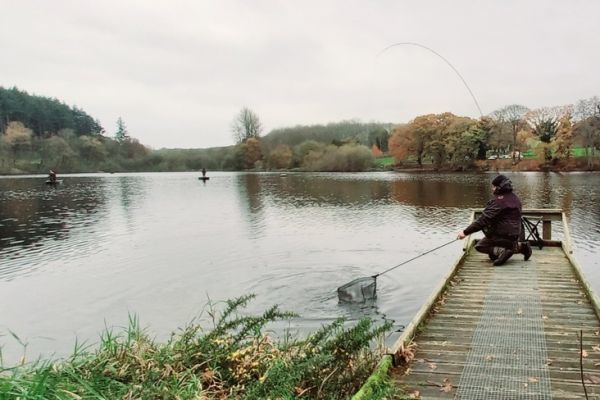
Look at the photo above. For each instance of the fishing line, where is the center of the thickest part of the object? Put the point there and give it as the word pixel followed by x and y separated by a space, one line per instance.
pixel 443 58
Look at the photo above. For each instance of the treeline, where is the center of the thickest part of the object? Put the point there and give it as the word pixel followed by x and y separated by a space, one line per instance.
pixel 343 146
pixel 550 134
pixel 44 116
pixel 40 133
pixel 367 134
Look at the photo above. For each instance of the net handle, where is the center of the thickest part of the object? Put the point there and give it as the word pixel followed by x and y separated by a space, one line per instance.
pixel 414 258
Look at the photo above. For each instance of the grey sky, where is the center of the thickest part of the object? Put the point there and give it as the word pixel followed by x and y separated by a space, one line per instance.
pixel 177 72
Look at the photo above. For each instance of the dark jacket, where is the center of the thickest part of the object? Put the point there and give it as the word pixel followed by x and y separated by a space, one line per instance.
pixel 501 216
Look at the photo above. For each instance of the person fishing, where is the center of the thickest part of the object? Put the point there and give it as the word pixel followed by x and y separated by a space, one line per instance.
pixel 52 176
pixel 500 222
pixel 203 172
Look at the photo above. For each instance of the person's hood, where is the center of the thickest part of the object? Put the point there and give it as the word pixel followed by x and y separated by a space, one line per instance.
pixel 503 184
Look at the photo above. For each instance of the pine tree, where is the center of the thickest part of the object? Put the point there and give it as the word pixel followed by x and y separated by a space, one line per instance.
pixel 121 134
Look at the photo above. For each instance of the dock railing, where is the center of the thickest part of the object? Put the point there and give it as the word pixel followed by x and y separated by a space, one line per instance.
pixel 542 216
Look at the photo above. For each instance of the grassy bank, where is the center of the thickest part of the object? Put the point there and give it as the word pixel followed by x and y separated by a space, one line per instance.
pixel 235 358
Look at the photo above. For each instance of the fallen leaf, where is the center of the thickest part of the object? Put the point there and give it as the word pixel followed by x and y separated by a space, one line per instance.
pixel 407 372
pixel 584 354
pixel 415 395
pixel 432 366
pixel 532 380
pixel 520 311
pixel 596 348
pixel 544 317
pixel 446 386
pixel 489 358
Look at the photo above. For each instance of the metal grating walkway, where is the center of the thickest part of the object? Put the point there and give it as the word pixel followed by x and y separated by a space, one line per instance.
pixel 508 354
pixel 508 332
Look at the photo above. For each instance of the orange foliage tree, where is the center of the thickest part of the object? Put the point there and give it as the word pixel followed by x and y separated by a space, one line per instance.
pixel 376 151
pixel 252 152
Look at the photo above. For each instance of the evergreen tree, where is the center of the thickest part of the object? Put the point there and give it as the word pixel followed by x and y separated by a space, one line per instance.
pixel 121 135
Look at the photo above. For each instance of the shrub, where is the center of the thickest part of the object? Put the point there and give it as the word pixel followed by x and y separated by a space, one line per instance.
pixel 233 359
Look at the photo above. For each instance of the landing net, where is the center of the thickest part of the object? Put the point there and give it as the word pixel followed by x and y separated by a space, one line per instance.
pixel 359 290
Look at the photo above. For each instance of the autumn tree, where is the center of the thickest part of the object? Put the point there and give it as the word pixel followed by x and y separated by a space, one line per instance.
pixel 564 137
pixel 376 151
pixel 56 152
pixel 17 138
pixel 252 152
pixel 401 143
pixel 92 149
pixel 349 157
pixel 544 124
pixel 305 148
pixel 438 136
pixel 281 157
pixel 512 118
pixel 246 125
pixel 415 137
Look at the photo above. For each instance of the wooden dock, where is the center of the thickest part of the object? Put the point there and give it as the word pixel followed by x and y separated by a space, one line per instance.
pixel 508 332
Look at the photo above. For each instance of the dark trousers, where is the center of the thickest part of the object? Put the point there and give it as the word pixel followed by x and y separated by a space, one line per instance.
pixel 486 244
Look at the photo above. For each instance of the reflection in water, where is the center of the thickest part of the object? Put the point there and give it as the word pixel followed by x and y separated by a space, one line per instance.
pixel 131 190
pixel 101 246
pixel 251 201
pixel 35 218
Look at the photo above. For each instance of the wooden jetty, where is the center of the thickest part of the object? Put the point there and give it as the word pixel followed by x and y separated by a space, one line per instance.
pixel 507 332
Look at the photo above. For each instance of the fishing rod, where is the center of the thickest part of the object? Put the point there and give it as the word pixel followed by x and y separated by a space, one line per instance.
pixel 414 258
pixel 443 58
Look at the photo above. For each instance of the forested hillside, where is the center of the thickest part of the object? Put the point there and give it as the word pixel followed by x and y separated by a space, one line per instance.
pixel 334 133
pixel 40 133
pixel 44 116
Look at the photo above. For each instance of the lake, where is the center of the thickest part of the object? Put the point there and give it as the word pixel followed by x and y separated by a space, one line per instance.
pixel 82 256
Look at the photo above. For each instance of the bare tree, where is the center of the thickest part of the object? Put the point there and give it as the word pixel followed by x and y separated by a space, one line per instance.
pixel 246 125
pixel 511 117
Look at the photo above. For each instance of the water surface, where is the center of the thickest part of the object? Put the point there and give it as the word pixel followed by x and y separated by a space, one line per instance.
pixel 83 255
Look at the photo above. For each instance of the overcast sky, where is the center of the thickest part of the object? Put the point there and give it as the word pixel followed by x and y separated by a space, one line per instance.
pixel 178 71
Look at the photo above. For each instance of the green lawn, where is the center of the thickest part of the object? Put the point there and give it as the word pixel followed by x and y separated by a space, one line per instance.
pixel 575 152
pixel 384 161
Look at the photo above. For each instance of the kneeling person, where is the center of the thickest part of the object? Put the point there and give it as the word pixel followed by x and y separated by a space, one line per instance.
pixel 500 221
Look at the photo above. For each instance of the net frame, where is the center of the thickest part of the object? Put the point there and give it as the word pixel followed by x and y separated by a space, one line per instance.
pixel 359 290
